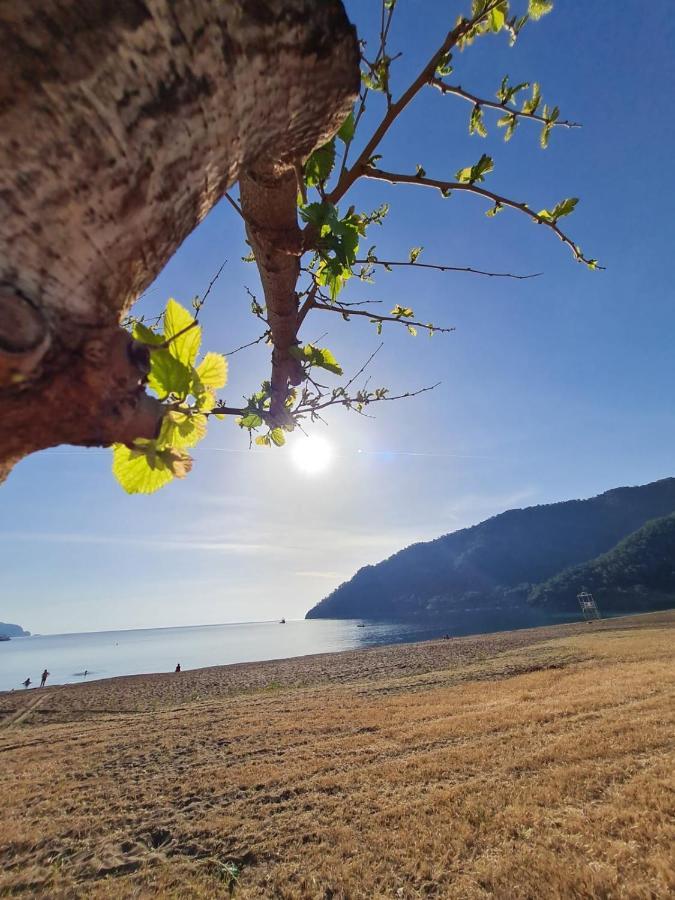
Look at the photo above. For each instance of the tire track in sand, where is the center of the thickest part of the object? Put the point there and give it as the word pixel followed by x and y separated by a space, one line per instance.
pixel 22 714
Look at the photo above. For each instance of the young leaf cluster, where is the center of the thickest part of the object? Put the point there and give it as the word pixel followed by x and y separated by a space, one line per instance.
pixel 186 387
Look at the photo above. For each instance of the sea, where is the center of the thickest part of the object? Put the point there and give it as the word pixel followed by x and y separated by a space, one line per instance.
pixel 72 658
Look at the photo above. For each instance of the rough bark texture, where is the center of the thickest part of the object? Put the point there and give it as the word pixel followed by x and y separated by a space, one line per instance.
pixel 122 122
pixel 268 200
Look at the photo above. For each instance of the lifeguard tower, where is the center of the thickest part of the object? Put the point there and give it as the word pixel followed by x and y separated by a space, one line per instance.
pixel 589 607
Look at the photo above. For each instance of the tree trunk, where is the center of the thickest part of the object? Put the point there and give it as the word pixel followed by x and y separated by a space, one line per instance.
pixel 122 122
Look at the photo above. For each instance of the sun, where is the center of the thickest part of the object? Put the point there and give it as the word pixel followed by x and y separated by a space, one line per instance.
pixel 311 454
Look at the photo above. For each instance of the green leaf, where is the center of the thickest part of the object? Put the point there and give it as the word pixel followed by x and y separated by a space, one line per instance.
pixel 377 78
pixel 251 420
pixel 476 122
pixel 510 121
pixel 564 208
pixel 212 371
pixel 473 174
pixel 444 68
pixel 507 92
pixel 404 312
pixel 181 430
pixel 263 440
pixel 545 134
pixel 538 8
pixel 318 214
pixel 414 253
pixel 346 132
pixel 145 335
pixel 531 106
pixel 176 320
pixel 144 470
pixel 420 172
pixel 412 331
pixel 278 437
pixel 497 19
pixel 492 212
pixel 169 375
pixel 316 356
pixel 206 399
pixel 333 275
pixel 320 164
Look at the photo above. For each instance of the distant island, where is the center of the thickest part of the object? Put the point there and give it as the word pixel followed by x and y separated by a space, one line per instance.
pixel 13 630
pixel 526 566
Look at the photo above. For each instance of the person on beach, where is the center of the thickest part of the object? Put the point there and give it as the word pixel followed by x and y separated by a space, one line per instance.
pixel 45 676
pixel 26 683
pixel 177 669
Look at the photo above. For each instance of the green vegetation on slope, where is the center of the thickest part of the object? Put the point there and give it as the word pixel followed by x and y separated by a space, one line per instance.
pixel 501 562
pixel 636 573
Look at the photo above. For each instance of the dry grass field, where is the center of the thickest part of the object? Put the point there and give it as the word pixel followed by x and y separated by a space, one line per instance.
pixel 535 764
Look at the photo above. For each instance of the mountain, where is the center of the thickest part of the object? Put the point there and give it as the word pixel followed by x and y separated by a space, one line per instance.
pixel 509 562
pixel 637 572
pixel 13 630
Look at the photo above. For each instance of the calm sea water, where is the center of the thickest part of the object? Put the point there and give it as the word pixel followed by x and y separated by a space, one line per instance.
pixel 104 654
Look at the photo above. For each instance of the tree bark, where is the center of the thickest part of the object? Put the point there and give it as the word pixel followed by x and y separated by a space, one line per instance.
pixel 122 122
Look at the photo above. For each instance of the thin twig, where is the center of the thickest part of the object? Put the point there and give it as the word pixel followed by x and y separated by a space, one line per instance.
pixel 375 317
pixel 384 33
pixel 469 269
pixel 233 203
pixel 342 401
pixel 211 283
pixel 364 366
pixel 458 91
pixel 360 302
pixel 250 344
pixel 395 178
pixel 194 322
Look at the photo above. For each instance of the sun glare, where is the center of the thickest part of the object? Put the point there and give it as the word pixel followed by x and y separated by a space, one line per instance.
pixel 311 455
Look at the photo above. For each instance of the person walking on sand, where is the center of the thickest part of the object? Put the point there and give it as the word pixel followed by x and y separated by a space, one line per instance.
pixel 177 669
pixel 26 683
pixel 45 676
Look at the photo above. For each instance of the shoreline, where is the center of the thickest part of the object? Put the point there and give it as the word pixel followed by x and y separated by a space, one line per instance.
pixel 139 692
pixel 407 634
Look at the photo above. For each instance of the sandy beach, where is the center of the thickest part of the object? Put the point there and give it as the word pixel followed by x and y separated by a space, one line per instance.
pixel 528 764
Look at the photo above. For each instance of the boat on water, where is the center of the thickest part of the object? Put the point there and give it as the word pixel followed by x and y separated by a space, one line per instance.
pixel 282 622
pixel 5 637
pixel 361 625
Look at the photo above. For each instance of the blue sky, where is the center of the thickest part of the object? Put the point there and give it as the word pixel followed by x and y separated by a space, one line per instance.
pixel 553 388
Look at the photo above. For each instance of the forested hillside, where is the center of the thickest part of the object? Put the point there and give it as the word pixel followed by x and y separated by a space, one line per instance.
pixel 637 573
pixel 506 562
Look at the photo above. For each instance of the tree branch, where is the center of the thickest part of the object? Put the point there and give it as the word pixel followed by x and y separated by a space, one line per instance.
pixel 341 400
pixel 221 411
pixel 469 269
pixel 446 186
pixel 458 91
pixel 349 176
pixel 375 317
